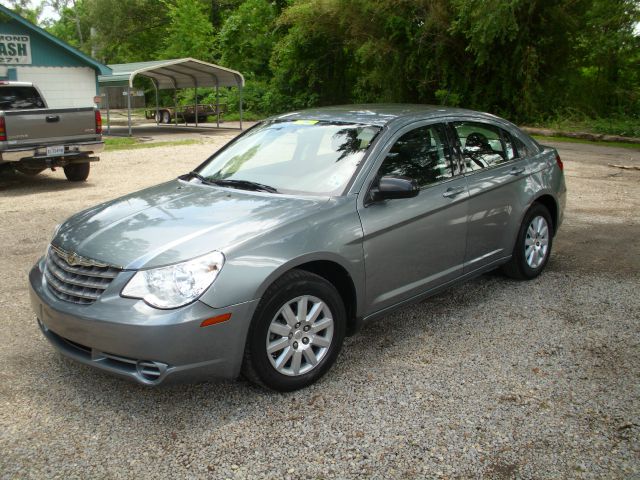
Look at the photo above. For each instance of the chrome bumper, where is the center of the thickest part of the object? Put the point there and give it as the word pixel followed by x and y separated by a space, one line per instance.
pixel 40 153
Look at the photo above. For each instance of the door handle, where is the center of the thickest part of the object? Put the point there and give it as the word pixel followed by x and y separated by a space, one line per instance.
pixel 53 118
pixel 452 192
pixel 516 171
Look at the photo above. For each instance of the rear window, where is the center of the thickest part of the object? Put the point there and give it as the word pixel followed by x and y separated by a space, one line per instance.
pixel 19 98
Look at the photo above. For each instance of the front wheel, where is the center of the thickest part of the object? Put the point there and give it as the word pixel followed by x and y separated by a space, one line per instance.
pixel 533 245
pixel 166 117
pixel 296 333
pixel 77 172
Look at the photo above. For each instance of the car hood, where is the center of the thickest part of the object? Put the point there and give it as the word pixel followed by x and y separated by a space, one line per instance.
pixel 176 221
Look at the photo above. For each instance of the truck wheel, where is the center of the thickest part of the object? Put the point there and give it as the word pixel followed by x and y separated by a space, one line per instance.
pixel 166 117
pixel 77 172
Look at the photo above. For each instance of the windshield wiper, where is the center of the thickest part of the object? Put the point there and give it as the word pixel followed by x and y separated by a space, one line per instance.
pixel 194 174
pixel 244 184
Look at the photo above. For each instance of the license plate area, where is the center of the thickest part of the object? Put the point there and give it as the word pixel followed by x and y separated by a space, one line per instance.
pixel 55 150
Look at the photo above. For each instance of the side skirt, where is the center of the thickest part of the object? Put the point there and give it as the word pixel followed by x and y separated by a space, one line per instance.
pixel 429 293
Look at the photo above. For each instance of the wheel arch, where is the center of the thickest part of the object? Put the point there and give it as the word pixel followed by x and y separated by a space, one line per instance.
pixel 550 203
pixel 333 271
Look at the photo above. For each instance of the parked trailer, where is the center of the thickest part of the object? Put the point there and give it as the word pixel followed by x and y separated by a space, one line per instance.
pixel 185 113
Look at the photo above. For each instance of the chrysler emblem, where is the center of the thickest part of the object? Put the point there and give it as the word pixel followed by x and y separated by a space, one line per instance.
pixel 75 260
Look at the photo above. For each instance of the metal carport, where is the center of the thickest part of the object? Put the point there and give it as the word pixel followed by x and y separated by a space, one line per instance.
pixel 172 74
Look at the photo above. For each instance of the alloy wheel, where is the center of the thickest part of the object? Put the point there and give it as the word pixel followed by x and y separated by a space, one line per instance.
pixel 536 242
pixel 300 335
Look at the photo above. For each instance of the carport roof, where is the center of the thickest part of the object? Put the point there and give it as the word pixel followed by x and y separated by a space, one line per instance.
pixel 177 73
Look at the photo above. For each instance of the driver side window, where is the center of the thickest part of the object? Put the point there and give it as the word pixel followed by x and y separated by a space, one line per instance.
pixel 421 154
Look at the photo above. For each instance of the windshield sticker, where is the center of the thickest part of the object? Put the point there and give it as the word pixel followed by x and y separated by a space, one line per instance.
pixel 305 122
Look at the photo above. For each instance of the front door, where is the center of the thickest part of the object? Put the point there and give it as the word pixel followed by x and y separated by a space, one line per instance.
pixel 412 245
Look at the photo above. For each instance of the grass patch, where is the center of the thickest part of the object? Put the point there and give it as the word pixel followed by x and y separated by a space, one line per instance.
pixel 235 117
pixel 542 140
pixel 571 121
pixel 129 143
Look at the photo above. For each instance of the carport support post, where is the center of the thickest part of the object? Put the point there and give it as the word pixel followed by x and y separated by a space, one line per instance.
pixel 129 107
pixel 175 106
pixel 217 107
pixel 106 97
pixel 241 107
pixel 196 106
pixel 157 103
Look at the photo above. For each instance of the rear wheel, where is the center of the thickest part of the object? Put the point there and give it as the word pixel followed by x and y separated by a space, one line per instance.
pixel 533 245
pixel 77 172
pixel 166 117
pixel 296 333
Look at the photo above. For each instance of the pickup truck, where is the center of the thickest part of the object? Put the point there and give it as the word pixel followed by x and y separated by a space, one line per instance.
pixel 34 137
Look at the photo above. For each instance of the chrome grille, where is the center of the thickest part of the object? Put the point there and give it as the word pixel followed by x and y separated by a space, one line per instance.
pixel 76 279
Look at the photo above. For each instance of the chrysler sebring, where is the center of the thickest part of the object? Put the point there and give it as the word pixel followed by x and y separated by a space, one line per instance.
pixel 260 260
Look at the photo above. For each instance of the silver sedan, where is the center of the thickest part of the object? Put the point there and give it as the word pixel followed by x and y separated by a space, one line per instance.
pixel 262 259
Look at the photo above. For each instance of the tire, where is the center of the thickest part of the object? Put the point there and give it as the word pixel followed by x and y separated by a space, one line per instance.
pixel 290 365
pixel 166 116
pixel 533 245
pixel 77 172
pixel 157 117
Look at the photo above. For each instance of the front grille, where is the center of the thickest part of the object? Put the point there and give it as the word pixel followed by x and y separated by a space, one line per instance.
pixel 76 279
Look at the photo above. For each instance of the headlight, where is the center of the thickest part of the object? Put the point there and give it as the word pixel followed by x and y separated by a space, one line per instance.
pixel 175 285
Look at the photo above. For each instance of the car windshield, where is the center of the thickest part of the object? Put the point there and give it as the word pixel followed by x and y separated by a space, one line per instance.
pixel 293 156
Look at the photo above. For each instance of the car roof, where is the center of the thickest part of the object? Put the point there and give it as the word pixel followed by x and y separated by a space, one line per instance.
pixel 380 114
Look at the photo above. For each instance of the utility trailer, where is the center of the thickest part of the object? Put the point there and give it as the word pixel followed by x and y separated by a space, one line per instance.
pixel 185 113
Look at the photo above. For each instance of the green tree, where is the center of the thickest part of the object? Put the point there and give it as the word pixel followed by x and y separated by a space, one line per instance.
pixel 26 10
pixel 189 32
pixel 246 38
pixel 73 24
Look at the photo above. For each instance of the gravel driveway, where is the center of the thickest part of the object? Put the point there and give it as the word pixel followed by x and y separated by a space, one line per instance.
pixel 492 379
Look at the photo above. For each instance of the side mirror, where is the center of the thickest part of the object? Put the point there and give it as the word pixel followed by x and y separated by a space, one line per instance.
pixel 392 187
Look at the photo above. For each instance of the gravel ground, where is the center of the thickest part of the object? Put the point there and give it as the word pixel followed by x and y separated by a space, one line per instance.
pixel 492 379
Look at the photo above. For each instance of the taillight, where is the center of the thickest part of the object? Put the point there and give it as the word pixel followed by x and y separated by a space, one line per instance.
pixel 559 162
pixel 98 122
pixel 3 131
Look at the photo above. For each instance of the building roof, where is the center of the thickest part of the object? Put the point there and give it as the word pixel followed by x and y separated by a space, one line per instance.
pixel 99 67
pixel 176 73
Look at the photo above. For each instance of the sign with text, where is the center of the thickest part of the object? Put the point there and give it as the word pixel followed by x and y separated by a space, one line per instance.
pixel 15 49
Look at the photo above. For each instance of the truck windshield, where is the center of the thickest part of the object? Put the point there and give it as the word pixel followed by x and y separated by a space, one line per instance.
pixel 19 98
pixel 296 156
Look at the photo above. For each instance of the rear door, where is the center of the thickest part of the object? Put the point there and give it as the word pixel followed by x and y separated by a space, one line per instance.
pixel 496 174
pixel 412 245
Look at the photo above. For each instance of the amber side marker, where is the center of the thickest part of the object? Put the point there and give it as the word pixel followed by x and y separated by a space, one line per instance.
pixel 213 320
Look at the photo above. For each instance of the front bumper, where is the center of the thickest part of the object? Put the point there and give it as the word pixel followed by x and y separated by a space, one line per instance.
pixel 128 338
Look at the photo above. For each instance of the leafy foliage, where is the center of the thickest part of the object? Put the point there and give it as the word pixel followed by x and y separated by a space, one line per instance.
pixel 529 60
pixel 189 33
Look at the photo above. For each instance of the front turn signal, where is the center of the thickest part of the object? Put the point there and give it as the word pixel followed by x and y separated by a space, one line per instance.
pixel 215 320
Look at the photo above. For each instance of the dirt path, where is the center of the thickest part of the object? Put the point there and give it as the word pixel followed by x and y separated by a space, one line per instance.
pixel 493 379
